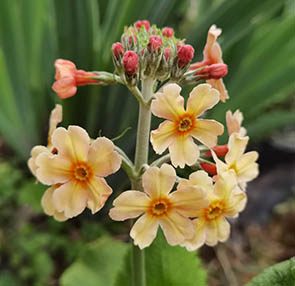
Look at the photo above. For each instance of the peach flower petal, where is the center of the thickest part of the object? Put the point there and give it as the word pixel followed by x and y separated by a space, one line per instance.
pixel 236 147
pixel 199 236
pixel 35 152
pixel 219 85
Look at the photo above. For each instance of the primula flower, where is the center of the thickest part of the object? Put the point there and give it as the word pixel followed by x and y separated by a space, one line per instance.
pixel 159 206
pixel 68 78
pixel 213 55
pixel 76 172
pixel 242 164
pixel 54 120
pixel 226 201
pixel 181 125
pixel 234 121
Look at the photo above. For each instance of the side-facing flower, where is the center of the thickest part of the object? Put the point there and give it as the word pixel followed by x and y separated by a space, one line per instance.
pixel 76 172
pixel 226 201
pixel 234 122
pixel 242 164
pixel 54 120
pixel 213 55
pixel 68 78
pixel 160 207
pixel 181 126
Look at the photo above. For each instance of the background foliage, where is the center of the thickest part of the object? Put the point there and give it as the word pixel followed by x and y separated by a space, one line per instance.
pixel 257 44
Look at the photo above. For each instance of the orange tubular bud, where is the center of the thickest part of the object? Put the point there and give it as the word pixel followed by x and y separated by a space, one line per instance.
pixel 209 168
pixel 220 151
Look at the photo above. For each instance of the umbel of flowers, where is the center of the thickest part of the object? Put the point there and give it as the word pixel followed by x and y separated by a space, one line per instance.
pixel 191 211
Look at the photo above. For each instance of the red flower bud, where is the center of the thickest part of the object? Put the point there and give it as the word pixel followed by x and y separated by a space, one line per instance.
pixel 185 54
pixel 144 23
pixel 179 44
pixel 168 32
pixel 118 50
pixel 130 62
pixel 209 168
pixel 155 43
pixel 220 151
pixel 167 53
pixel 217 71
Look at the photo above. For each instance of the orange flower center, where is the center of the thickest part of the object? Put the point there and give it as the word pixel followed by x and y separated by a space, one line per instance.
pixel 81 172
pixel 159 207
pixel 185 124
pixel 214 211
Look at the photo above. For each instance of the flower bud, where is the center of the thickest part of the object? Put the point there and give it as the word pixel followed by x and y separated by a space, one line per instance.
pixel 130 62
pixel 168 32
pixel 144 23
pixel 185 54
pixel 209 168
pixel 118 50
pixel 155 43
pixel 215 71
pixel 220 151
pixel 167 53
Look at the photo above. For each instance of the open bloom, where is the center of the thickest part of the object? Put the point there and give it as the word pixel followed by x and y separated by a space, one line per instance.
pixel 226 201
pixel 213 55
pixel 181 125
pixel 76 172
pixel 234 122
pixel 55 119
pixel 242 164
pixel 68 78
pixel 159 207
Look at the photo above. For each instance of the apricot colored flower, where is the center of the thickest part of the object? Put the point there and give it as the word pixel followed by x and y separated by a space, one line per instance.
pixel 226 201
pixel 234 122
pixel 181 126
pixel 159 207
pixel 68 78
pixel 213 55
pixel 55 119
pixel 76 172
pixel 242 164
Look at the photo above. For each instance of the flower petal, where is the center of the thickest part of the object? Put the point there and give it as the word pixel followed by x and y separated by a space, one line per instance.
pixel 221 166
pixel 144 231
pixel 65 87
pixel 129 204
pixel 225 184
pixel 212 50
pixel 198 178
pixel 162 137
pixel 176 228
pixel 234 121
pixel 199 236
pixel 202 98
pixel 52 169
pixel 158 182
pixel 236 203
pixel 72 143
pixel 70 198
pixel 246 167
pixel 169 104
pixel 211 233
pixel 206 131
pixel 183 151
pixel 54 120
pixel 219 85
pixel 189 199
pixel 102 157
pixel 35 153
pixel 236 147
pixel 223 229
pixel 98 193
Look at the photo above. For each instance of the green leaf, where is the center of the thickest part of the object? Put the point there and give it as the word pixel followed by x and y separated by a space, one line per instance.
pixel 281 274
pixel 167 265
pixel 97 264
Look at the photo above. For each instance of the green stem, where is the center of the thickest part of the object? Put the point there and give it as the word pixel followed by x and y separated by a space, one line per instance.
pixel 141 158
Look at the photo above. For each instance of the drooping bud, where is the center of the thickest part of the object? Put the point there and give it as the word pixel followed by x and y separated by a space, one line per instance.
pixel 130 62
pixel 185 54
pixel 168 32
pixel 155 43
pixel 220 151
pixel 145 23
pixel 118 50
pixel 209 168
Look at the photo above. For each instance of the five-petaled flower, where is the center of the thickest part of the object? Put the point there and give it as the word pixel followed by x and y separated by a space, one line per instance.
pixel 181 125
pixel 226 201
pixel 242 164
pixel 76 172
pixel 213 55
pixel 160 206
pixel 68 78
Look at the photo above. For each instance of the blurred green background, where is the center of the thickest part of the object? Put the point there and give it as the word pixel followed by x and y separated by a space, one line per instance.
pixel 258 46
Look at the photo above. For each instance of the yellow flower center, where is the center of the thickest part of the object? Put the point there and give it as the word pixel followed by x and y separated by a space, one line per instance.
pixel 81 172
pixel 185 124
pixel 159 207
pixel 233 167
pixel 214 211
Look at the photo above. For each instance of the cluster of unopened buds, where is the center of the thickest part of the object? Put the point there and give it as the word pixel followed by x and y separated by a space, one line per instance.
pixel 191 211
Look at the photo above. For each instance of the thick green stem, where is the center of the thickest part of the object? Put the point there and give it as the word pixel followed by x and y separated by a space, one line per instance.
pixel 141 158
